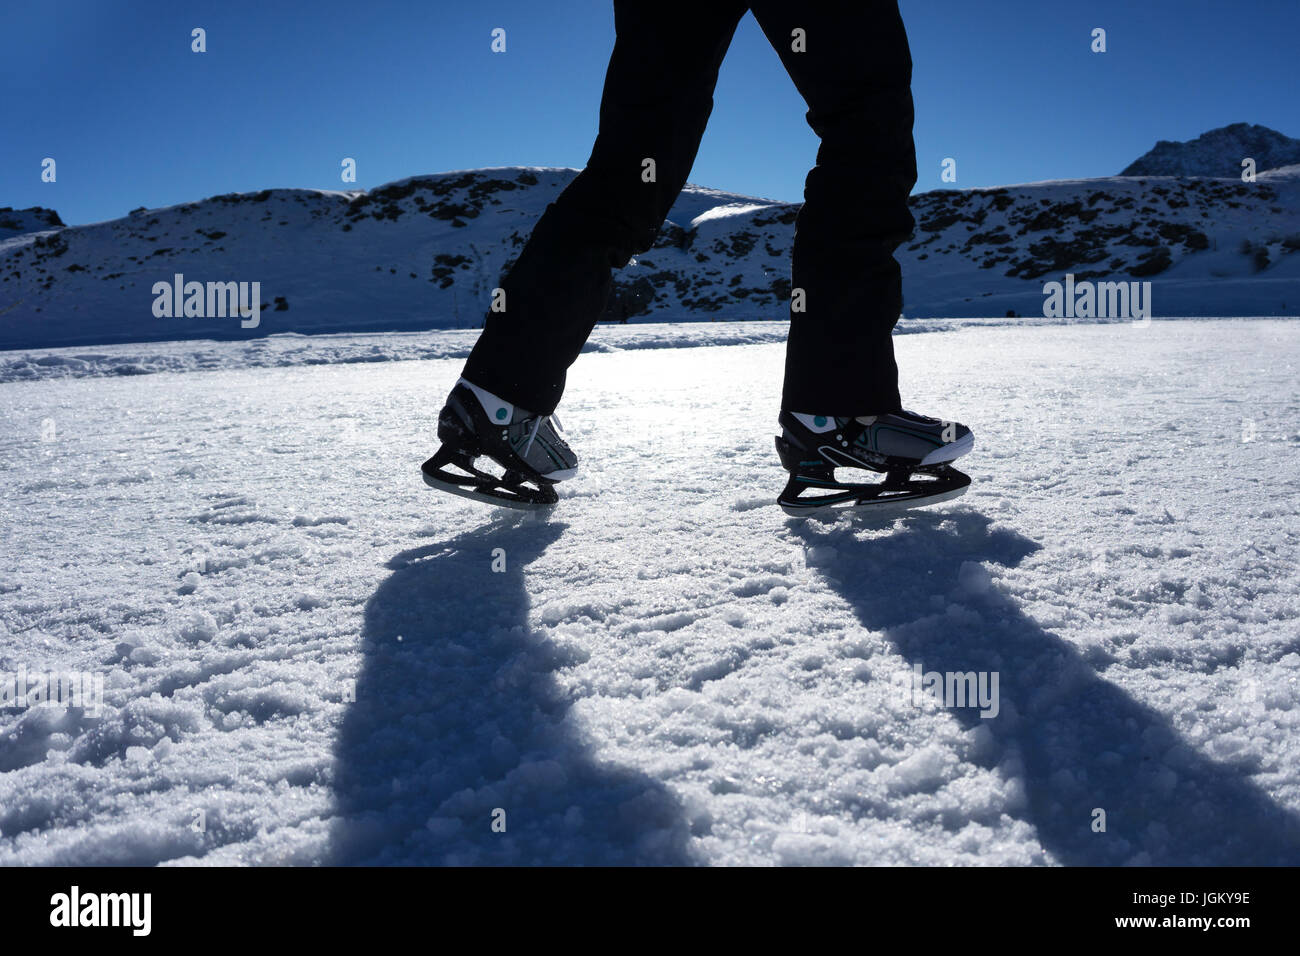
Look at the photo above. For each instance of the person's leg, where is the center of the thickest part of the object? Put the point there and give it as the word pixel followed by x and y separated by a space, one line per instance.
pixel 657 98
pixel 856 77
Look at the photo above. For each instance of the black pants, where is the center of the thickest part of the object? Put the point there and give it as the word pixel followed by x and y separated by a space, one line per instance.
pixel 856 78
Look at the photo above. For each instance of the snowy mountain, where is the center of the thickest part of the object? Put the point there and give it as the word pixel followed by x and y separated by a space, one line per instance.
pixel 16 222
pixel 1218 153
pixel 425 253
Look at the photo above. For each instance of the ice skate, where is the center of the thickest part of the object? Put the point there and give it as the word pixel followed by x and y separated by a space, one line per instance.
pixel 913 452
pixel 529 449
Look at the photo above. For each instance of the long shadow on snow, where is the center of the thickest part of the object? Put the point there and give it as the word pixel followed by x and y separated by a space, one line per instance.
pixel 1078 741
pixel 463 716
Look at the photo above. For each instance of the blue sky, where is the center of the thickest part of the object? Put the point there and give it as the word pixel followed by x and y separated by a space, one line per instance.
pixel 1009 88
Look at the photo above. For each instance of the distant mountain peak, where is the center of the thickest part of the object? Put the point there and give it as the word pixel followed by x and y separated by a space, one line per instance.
pixel 1218 153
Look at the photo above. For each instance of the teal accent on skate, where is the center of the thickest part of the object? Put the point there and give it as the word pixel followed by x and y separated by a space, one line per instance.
pixel 501 413
pixel 820 421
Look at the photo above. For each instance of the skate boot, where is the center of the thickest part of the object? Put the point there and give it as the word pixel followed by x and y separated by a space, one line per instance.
pixel 529 449
pixel 912 451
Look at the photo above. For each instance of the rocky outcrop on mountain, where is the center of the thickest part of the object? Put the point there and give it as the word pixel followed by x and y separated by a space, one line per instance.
pixel 1218 153
pixel 16 222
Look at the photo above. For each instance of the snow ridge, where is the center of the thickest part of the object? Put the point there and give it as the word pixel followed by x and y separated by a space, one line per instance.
pixel 425 253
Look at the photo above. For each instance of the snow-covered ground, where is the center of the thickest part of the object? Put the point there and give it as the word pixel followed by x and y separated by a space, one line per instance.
pixel 288 349
pixel 667 669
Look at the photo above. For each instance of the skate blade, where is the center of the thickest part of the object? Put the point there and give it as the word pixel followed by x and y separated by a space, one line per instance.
pixel 871 508
pixel 498 496
pixel 506 491
pixel 895 495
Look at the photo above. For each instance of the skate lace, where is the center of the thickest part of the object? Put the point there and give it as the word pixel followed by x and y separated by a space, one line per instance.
pixel 537 423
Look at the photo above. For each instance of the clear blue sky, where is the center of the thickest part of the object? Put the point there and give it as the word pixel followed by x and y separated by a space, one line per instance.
pixel 1007 87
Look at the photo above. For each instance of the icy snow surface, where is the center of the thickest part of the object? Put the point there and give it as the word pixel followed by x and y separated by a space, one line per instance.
pixel 668 670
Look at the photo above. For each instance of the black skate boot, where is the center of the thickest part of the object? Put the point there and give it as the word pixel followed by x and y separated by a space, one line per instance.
pixel 529 448
pixel 912 451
